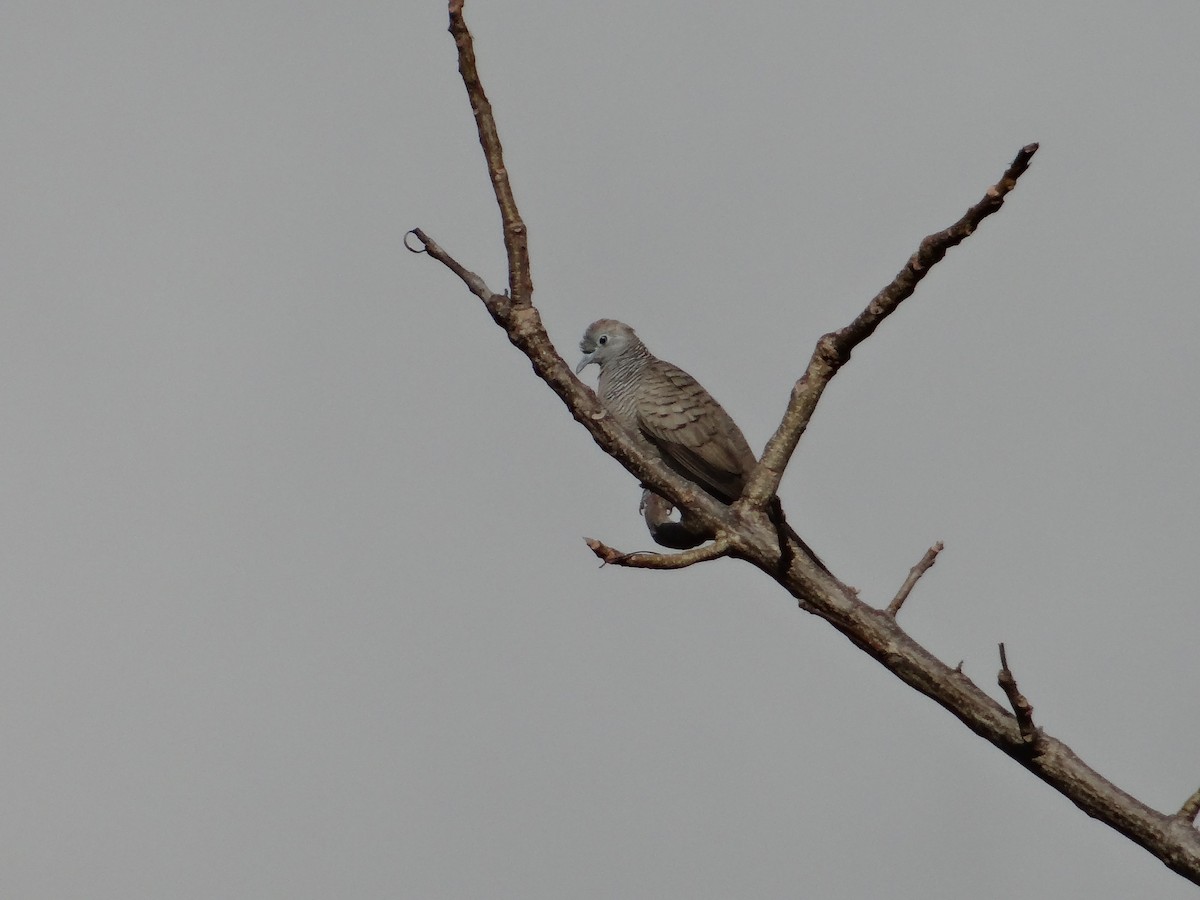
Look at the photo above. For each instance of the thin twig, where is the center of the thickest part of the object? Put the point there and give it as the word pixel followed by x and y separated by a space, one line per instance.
pixel 474 283
pixel 833 350
pixel 914 575
pixel 1190 808
pixel 1022 708
pixel 646 559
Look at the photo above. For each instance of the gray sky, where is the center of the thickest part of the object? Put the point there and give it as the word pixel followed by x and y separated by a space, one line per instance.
pixel 295 603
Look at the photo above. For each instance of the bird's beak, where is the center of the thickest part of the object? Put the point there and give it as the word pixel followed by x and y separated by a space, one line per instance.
pixel 585 362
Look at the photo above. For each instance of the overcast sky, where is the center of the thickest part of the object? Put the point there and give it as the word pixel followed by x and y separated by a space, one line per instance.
pixel 294 597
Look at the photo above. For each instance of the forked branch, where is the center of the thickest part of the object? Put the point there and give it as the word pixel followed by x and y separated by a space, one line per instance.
pixel 747 532
pixel 833 350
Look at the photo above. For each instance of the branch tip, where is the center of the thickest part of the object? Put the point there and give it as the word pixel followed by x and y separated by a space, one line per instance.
pixel 806 394
pixel 420 236
pixel 516 244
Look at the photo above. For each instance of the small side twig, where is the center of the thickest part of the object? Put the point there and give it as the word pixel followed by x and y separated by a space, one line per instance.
pixel 914 575
pixel 1022 708
pixel 1190 808
pixel 474 283
pixel 647 559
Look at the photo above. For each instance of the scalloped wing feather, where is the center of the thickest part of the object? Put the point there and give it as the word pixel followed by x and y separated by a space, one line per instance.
pixel 695 434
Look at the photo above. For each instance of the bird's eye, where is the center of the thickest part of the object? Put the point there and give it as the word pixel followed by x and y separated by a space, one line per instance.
pixel 602 340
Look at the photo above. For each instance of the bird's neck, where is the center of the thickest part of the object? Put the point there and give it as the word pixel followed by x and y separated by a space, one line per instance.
pixel 620 377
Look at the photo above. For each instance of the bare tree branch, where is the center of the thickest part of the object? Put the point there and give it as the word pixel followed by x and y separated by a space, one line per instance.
pixel 833 350
pixel 516 241
pixel 648 559
pixel 1021 707
pixel 748 531
pixel 914 575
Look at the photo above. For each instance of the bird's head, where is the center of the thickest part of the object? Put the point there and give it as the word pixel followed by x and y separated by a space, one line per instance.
pixel 605 340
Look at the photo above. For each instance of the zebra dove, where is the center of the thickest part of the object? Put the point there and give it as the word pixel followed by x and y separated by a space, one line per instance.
pixel 669 408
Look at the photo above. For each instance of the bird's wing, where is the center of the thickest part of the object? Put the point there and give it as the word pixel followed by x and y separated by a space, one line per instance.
pixel 694 433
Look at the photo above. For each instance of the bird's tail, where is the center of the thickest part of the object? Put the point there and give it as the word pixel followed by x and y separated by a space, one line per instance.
pixel 683 535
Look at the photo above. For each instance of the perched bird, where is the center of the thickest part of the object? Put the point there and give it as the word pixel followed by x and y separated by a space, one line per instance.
pixel 670 409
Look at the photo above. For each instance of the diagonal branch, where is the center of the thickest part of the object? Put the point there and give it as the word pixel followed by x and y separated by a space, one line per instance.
pixel 833 350
pixel 1175 844
pixel 516 240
